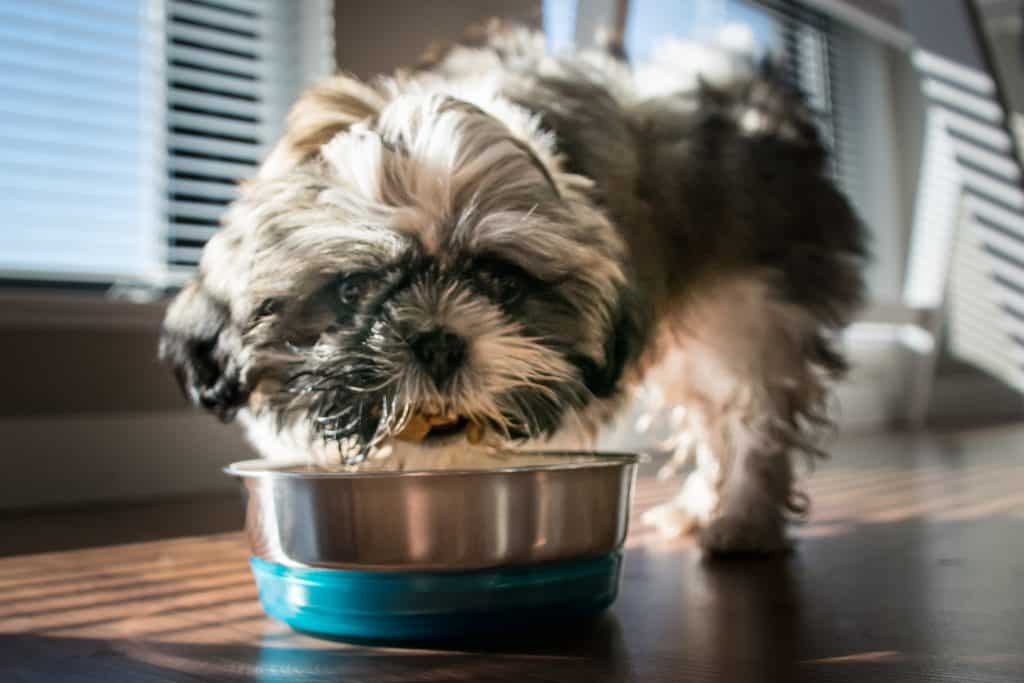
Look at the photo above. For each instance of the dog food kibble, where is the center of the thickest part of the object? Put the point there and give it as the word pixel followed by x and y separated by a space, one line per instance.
pixel 416 429
pixel 420 424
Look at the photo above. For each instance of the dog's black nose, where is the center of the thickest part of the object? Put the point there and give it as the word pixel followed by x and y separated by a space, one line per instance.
pixel 439 352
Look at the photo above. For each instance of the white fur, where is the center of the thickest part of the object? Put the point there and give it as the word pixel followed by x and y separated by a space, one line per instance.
pixel 734 368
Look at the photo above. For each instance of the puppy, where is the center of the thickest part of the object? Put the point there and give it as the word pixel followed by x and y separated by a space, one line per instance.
pixel 501 243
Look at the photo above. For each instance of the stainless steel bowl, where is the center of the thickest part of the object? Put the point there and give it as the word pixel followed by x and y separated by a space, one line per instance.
pixel 574 506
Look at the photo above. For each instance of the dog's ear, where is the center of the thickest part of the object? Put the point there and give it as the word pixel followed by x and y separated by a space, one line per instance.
pixel 198 341
pixel 327 108
pixel 625 342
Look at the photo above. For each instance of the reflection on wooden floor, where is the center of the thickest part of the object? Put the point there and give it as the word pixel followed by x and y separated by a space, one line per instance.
pixel 909 568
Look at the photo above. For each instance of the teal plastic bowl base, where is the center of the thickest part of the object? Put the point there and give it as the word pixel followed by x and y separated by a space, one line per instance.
pixel 419 606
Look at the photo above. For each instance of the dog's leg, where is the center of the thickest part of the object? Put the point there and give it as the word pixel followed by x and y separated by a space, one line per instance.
pixel 748 377
pixel 753 483
pixel 698 499
pixel 736 495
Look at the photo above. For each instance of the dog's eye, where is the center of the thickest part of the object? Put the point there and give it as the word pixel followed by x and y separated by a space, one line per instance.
pixel 510 289
pixel 268 307
pixel 351 288
pixel 505 285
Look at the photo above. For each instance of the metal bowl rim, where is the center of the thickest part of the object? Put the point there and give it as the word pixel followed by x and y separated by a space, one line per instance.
pixel 598 459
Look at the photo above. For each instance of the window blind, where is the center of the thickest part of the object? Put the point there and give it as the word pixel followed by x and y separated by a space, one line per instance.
pixel 125 126
pixel 970 215
pixel 233 69
pixel 80 120
pixel 807 51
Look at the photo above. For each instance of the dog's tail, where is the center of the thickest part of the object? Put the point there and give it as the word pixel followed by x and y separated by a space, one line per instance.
pixel 678 65
pixel 729 79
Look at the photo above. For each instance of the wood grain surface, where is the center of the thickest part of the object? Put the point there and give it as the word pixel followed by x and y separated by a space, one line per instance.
pixel 911 568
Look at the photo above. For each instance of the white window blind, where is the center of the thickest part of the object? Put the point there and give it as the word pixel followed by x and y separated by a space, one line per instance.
pixel 968 240
pixel 80 111
pixel 125 125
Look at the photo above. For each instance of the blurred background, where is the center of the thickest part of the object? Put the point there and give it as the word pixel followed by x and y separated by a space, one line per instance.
pixel 124 125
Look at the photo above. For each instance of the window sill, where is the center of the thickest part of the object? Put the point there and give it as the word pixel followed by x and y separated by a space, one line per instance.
pixel 65 309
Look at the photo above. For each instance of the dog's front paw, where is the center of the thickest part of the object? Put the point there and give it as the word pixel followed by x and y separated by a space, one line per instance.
pixel 688 511
pixel 735 534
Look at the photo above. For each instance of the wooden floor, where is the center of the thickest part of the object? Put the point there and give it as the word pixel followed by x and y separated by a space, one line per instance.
pixel 910 569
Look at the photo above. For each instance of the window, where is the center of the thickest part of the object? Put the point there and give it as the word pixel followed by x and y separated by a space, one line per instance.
pixel 796 36
pixel 125 126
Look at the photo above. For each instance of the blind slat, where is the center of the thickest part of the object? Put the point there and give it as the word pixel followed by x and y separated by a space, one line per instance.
pixel 181 209
pixel 220 125
pixel 218 18
pixel 985 134
pixel 184 254
pixel 217 104
pixel 89 170
pixel 28 135
pixel 43 112
pixel 122 54
pixel 211 146
pixel 217 60
pixel 219 40
pixel 992 187
pixel 60 18
pixel 1000 216
pixel 253 7
pixel 101 9
pixel 217 191
pixel 961 100
pixel 192 233
pixel 215 169
pixel 43 188
pixel 74 94
pixel 211 81
pixel 1007 245
pixel 996 164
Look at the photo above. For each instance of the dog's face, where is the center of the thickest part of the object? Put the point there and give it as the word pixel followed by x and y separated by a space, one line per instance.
pixel 422 264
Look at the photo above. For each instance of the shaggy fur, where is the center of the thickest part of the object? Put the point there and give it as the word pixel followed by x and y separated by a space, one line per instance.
pixel 518 239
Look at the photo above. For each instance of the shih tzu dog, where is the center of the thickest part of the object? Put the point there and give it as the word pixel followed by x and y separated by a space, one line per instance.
pixel 499 244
